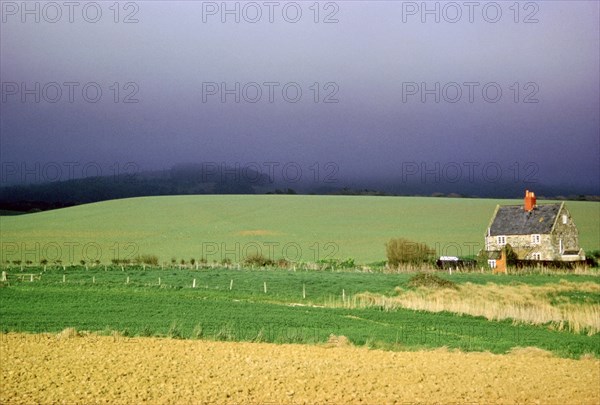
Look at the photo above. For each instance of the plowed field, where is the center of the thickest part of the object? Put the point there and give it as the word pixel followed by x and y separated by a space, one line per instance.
pixel 103 369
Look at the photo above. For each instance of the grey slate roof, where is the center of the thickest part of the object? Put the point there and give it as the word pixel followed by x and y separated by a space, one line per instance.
pixel 513 220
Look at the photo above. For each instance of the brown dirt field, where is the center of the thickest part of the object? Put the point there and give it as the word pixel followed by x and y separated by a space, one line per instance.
pixel 101 369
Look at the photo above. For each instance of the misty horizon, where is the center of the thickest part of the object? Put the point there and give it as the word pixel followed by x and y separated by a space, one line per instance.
pixel 381 90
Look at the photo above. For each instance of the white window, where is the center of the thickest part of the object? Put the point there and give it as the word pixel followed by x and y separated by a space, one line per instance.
pixel 565 218
pixel 492 263
pixel 535 239
pixel 561 248
pixel 536 256
pixel 501 240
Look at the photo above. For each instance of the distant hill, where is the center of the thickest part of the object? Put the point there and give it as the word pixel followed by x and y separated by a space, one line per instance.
pixel 199 179
pixel 186 179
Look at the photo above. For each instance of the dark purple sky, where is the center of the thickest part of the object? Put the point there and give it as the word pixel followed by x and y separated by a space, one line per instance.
pixel 376 61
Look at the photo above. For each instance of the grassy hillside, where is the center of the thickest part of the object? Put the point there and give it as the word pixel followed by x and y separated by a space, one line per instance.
pixel 305 228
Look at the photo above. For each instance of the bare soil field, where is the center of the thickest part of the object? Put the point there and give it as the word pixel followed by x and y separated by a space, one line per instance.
pixel 68 368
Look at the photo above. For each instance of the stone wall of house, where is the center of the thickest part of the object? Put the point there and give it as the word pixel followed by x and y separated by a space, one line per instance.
pixel 567 232
pixel 524 246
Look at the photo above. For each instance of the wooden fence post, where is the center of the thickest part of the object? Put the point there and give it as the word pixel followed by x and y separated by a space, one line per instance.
pixel 230 284
pixel 64 278
pixel 159 281
pixel 194 284
pixel 265 286
pixel 303 291
pixel 127 279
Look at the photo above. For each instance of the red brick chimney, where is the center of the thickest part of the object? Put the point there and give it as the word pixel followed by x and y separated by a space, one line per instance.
pixel 529 201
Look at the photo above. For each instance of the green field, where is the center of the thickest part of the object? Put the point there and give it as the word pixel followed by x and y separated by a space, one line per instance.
pixel 101 300
pixel 298 306
pixel 297 228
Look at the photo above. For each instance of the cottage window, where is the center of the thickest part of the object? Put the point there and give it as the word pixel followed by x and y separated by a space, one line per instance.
pixel 561 248
pixel 536 256
pixel 501 240
pixel 565 218
pixel 492 263
pixel 535 239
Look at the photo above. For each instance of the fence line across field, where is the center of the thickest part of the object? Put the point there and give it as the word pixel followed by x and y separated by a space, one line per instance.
pixel 302 266
pixel 130 280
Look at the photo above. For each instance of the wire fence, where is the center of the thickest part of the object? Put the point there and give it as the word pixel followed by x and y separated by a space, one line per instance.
pixel 265 283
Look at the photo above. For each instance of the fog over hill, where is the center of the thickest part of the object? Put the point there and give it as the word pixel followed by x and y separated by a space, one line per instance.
pixel 211 178
pixel 395 97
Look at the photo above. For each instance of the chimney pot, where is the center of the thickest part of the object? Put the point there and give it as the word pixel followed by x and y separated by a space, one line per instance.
pixel 530 201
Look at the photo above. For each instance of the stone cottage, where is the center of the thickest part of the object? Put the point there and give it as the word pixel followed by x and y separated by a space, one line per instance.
pixel 544 232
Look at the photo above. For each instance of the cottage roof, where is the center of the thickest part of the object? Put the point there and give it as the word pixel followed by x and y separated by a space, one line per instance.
pixel 514 220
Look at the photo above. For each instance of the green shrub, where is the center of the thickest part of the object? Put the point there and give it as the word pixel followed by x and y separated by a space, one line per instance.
pixel 120 261
pixel 593 258
pixel 511 255
pixel 404 251
pixel 151 260
pixel 482 259
pixel 283 263
pixel 258 259
pixel 336 264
